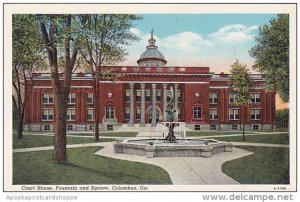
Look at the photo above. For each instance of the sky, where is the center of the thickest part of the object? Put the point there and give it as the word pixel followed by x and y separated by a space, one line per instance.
pixel 195 40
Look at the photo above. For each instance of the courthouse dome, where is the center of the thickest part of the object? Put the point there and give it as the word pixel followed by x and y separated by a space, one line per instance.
pixel 152 57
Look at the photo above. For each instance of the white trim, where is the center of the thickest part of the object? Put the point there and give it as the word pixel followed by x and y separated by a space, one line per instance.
pixel 70 115
pixel 217 113
pixel 219 87
pixel 234 98
pixel 199 82
pixel 61 78
pixel 48 103
pixel 234 114
pixel 37 87
pixel 87 96
pixel 255 114
pixel 148 109
pixel 87 113
pixel 166 74
pixel 216 93
pixel 42 114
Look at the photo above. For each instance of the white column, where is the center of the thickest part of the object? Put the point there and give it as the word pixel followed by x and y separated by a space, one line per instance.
pixel 131 120
pixel 142 105
pixel 165 101
pixel 176 101
pixel 153 122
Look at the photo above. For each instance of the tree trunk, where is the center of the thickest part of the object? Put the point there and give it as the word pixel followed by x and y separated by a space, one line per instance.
pixel 96 108
pixel 20 126
pixel 243 123
pixel 243 131
pixel 60 153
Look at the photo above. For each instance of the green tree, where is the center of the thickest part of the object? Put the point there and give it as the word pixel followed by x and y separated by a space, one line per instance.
pixel 271 54
pixel 103 42
pixel 241 84
pixel 26 58
pixel 282 118
pixel 60 39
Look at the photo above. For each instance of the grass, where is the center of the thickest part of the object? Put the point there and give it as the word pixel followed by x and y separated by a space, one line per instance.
pixel 281 138
pixel 212 133
pixel 83 167
pixel 28 141
pixel 266 166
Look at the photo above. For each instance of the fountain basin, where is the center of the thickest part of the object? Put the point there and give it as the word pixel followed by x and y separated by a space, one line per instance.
pixel 161 148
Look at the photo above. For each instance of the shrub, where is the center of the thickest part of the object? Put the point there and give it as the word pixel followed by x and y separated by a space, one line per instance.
pixel 282 118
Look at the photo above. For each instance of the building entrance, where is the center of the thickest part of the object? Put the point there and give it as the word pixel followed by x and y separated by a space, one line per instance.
pixel 149 113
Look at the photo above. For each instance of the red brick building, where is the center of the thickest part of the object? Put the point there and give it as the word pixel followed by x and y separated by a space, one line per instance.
pixel 203 100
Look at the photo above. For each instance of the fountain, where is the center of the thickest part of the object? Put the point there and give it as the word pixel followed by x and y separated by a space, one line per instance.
pixel 170 145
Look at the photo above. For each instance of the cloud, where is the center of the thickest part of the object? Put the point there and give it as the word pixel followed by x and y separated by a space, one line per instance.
pixel 185 41
pixel 236 33
pixel 135 31
pixel 217 50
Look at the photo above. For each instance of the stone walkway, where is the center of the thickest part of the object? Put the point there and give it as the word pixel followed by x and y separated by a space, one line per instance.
pixel 182 170
pixel 186 170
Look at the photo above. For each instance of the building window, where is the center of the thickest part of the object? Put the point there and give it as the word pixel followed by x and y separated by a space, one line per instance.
pixel 147 96
pixel 47 127
pixel 127 113
pixel 90 98
pixel 90 114
pixel 138 96
pixel 71 114
pixel 234 114
pixel 179 113
pixel 255 127
pixel 47 114
pixel 213 114
pixel 47 98
pixel 213 98
pixel 255 98
pixel 158 95
pixel 197 127
pixel 159 69
pixel 91 127
pixel 255 114
pixel 138 113
pixel 110 112
pixel 213 127
pixel 179 95
pixel 232 97
pixel 234 127
pixel 127 95
pixel 171 69
pixel 110 127
pixel 197 112
pixel 69 127
pixel 72 98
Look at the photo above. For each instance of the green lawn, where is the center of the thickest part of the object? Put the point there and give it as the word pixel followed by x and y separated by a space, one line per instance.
pixel 212 133
pixel 271 138
pixel 83 167
pixel 40 141
pixel 266 166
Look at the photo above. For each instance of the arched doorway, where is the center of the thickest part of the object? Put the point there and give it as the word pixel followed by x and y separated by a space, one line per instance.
pixel 149 114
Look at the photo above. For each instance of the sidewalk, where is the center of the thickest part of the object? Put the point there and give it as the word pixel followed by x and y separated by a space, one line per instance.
pixel 186 170
pixel 182 170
